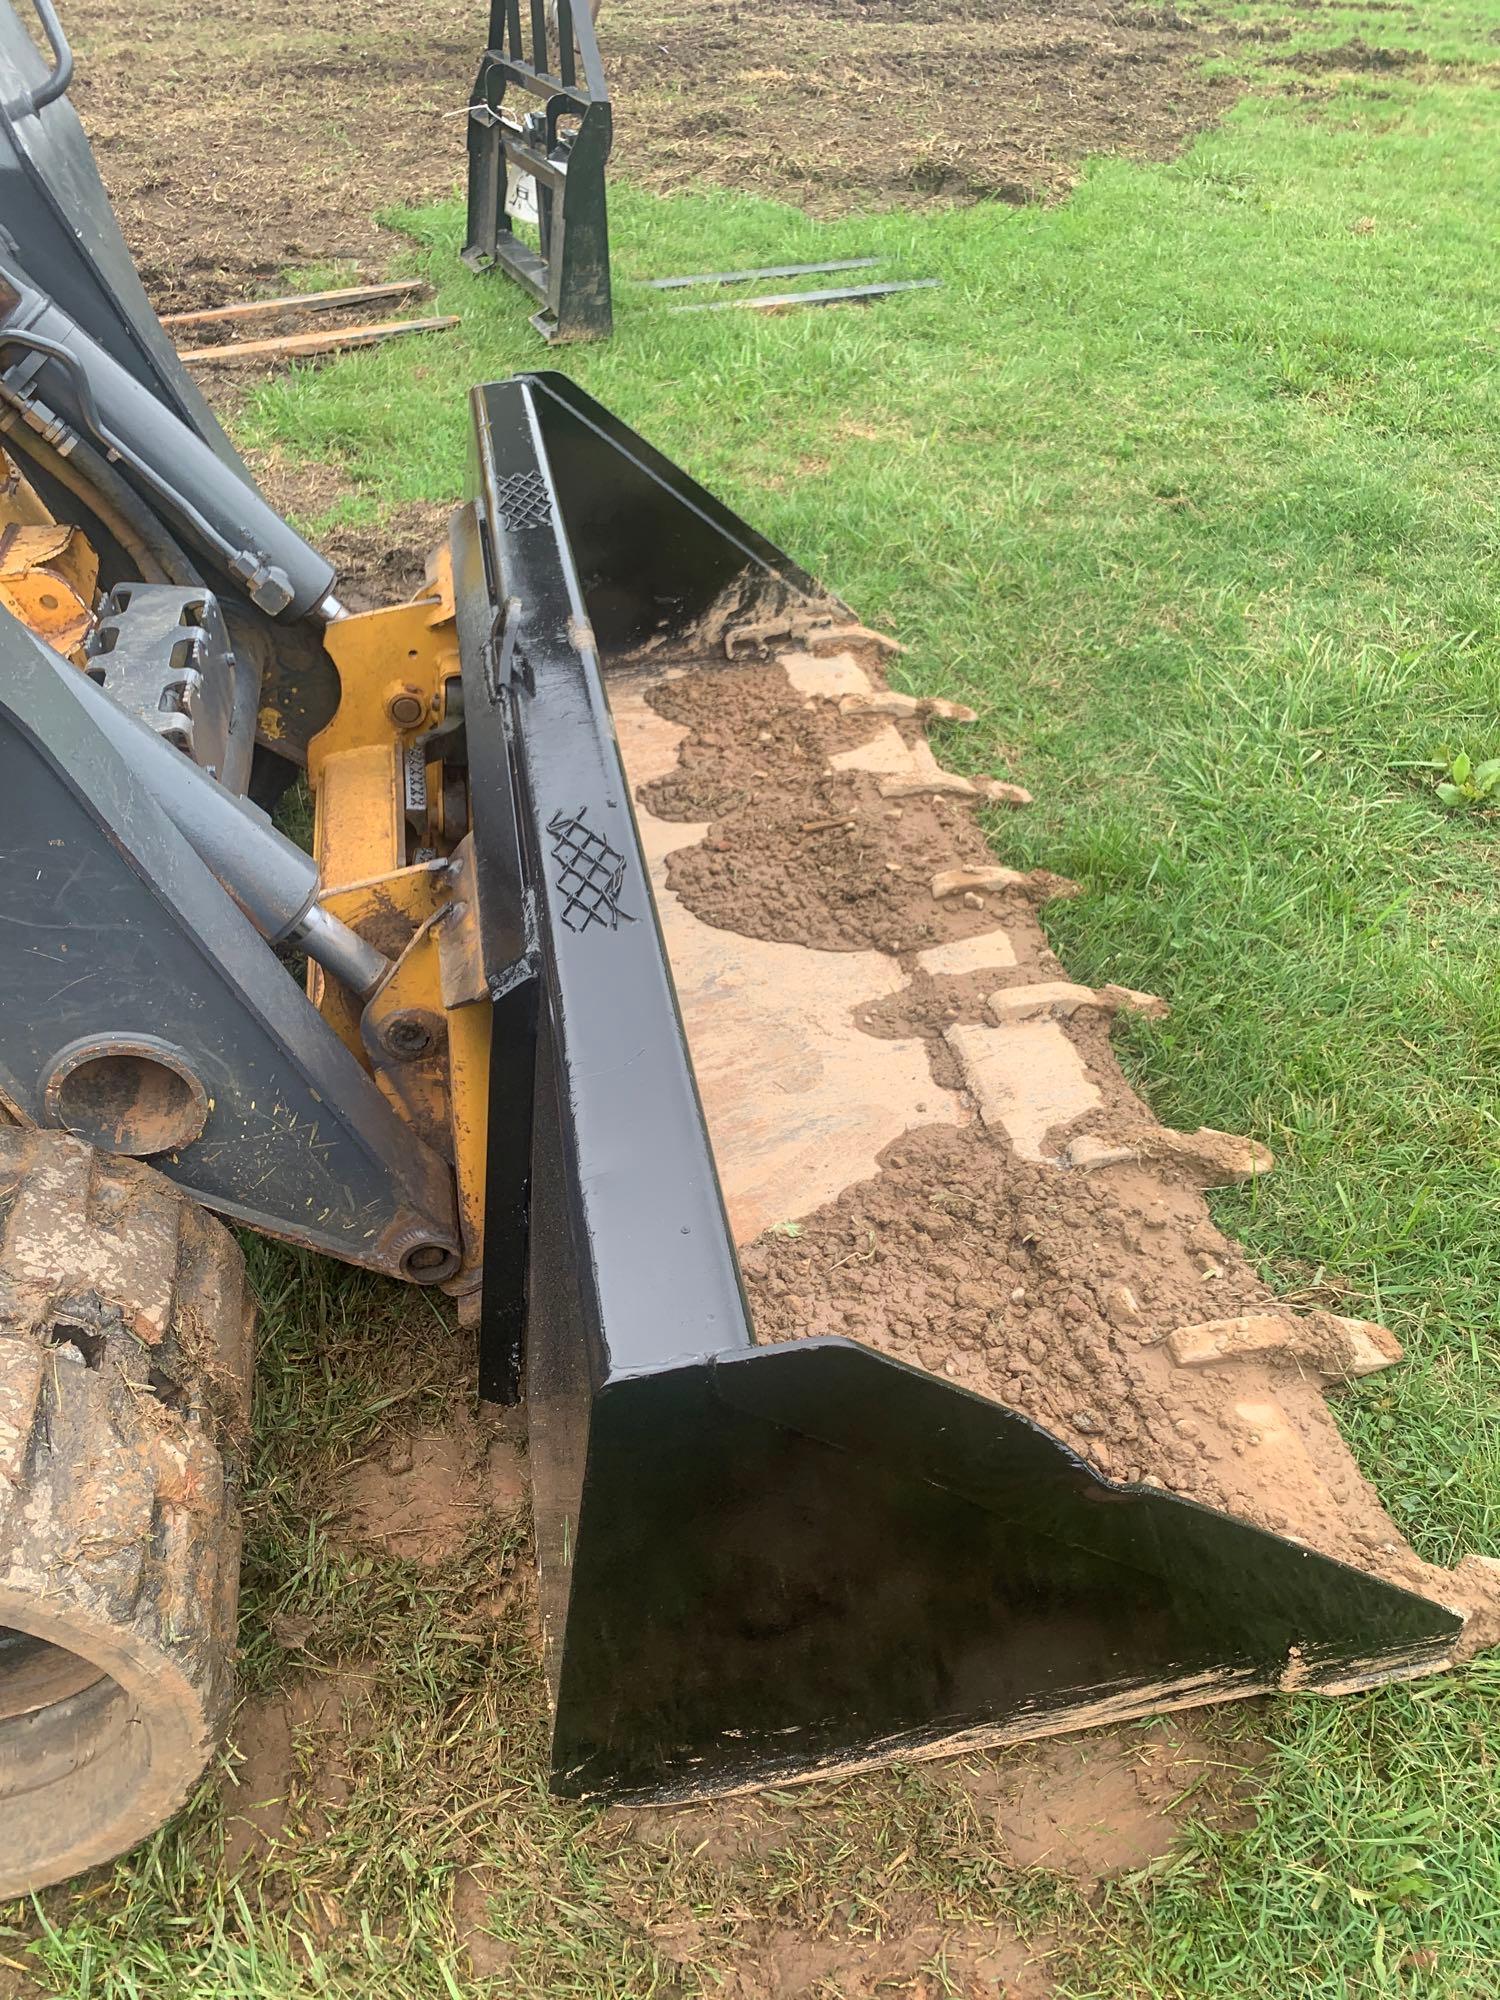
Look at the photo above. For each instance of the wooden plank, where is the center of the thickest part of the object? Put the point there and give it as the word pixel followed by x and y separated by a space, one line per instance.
pixel 290 346
pixel 347 295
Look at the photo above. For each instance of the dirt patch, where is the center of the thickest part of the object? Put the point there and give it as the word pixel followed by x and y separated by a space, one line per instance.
pixel 504 1487
pixel 1107 1802
pixel 418 1500
pixel 255 1811
pixel 1112 1801
pixel 898 1944
pixel 798 852
pixel 296 1763
pixel 1083 1814
pixel 724 1833
pixel 378 562
pixel 843 104
pixel 421 1493
pixel 1088 1806
pixel 489 1957
pixel 18 1985
pixel 834 104
pixel 322 120
pixel 928 1962
pixel 1355 54
pixel 385 562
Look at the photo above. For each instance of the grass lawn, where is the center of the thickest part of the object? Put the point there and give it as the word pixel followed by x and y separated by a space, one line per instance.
pixel 1190 485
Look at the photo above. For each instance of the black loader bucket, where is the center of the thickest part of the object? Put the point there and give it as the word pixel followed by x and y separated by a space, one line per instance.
pixel 1004 1508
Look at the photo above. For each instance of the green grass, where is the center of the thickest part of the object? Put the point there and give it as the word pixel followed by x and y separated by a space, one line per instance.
pixel 325 277
pixel 1190 486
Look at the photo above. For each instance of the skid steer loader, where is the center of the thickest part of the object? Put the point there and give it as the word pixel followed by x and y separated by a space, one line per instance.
pixel 654 991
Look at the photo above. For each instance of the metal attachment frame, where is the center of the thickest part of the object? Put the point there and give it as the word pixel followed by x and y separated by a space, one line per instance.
pixel 563 145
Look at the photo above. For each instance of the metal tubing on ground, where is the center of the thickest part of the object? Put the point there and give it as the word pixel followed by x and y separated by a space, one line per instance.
pixel 842 295
pixel 764 271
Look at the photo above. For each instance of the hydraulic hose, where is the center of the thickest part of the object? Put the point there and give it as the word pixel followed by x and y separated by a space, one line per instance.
pixel 88 410
pixel 218 512
pixel 93 481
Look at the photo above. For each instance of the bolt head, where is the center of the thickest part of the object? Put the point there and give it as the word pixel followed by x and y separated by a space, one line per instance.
pixel 406 708
pixel 407 1035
